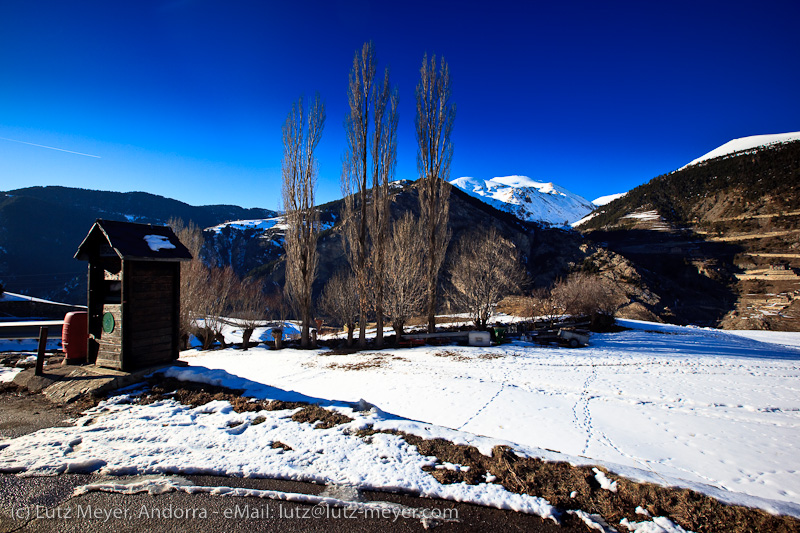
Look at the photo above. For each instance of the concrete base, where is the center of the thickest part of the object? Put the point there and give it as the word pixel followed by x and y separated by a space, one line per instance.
pixel 64 384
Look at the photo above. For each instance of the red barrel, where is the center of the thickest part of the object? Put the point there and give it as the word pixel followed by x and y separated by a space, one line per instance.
pixel 74 336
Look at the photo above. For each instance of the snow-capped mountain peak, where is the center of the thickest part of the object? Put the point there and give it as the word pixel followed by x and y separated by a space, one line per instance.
pixel 527 198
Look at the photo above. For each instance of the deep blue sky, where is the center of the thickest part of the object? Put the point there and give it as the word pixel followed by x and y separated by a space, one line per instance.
pixel 186 98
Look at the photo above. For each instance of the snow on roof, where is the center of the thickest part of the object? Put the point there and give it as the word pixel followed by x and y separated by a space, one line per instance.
pixel 133 241
pixel 158 242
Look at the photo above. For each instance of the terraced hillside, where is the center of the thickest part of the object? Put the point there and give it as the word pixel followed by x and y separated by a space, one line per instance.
pixel 723 235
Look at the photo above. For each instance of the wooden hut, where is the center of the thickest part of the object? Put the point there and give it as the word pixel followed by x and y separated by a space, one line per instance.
pixel 134 293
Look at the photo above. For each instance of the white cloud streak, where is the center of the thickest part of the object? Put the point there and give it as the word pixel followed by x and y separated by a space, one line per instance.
pixel 51 148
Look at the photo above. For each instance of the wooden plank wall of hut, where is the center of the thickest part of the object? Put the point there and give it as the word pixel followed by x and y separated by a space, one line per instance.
pixel 152 315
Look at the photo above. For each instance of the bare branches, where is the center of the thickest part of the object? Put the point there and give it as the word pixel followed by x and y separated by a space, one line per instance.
pixel 249 307
pixel 590 295
pixel 434 124
pixel 299 168
pixel 193 276
pixel 338 301
pixel 365 227
pixel 485 268
pixel 403 277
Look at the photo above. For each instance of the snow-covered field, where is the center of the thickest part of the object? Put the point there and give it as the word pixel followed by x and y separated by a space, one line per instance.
pixel 690 406
pixel 714 411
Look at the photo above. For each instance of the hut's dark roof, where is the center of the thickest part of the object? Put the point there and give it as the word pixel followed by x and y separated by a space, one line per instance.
pixel 133 241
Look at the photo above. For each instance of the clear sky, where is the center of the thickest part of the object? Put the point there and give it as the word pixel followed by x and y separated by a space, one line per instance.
pixel 186 98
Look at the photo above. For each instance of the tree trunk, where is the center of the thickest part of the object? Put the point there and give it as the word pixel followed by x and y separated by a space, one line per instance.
pixel 350 328
pixel 432 302
pixel 246 334
pixel 362 333
pixel 305 339
pixel 379 325
pixel 398 332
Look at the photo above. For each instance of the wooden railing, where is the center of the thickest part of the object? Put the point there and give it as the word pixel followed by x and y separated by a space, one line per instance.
pixel 43 326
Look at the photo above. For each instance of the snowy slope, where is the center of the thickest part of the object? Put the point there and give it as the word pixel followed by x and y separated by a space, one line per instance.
pixel 746 143
pixel 527 199
pixel 261 224
pixel 607 199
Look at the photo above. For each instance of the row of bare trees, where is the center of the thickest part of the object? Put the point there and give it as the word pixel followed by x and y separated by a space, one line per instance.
pixel 367 168
pixel 393 265
pixel 212 297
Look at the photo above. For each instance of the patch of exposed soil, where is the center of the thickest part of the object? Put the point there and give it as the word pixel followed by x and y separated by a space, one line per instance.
pixel 455 356
pixel 361 365
pixel 565 486
pixel 321 418
pixel 491 356
pixel 197 394
pixel 278 445
pixel 576 487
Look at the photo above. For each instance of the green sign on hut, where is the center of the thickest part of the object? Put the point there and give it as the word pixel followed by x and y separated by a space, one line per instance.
pixel 134 293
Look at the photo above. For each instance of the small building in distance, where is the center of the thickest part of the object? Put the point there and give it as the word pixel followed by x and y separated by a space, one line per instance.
pixel 134 293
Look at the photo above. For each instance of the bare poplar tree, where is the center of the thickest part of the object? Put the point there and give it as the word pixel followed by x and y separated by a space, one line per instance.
pixel 365 227
pixel 484 269
pixel 337 301
pixel 405 292
pixel 384 160
pixel 299 169
pixel 434 124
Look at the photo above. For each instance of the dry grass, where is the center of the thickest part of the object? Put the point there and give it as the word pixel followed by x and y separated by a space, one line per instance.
pixel 320 417
pixel 455 356
pixel 378 360
pixel 556 482
pixel 516 305
pixel 197 394
pixel 361 365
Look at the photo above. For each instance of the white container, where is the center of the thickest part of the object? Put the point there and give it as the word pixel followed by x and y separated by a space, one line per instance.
pixel 480 338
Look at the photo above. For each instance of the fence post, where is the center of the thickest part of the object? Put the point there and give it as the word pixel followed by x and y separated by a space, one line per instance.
pixel 40 352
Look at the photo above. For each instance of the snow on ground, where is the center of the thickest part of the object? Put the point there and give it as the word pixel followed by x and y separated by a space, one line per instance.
pixel 700 408
pixel 259 224
pixel 607 199
pixel 120 438
pixel 705 409
pixel 746 143
pixel 7 374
